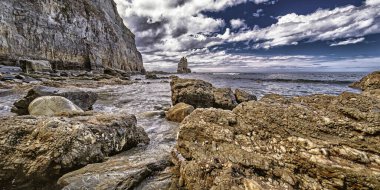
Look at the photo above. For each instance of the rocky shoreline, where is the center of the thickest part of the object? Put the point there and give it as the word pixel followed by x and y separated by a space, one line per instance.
pixel 225 140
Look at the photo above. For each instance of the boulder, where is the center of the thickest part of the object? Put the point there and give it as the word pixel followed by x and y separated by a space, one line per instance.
pixel 36 151
pixel 183 66
pixel 197 93
pixel 311 142
pixel 31 66
pixel 243 96
pixel 224 98
pixel 201 94
pixel 369 82
pixel 178 112
pixel 52 105
pixel 151 76
pixel 82 99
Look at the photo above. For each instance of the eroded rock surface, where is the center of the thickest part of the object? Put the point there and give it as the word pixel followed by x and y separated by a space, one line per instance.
pixel 312 142
pixel 201 94
pixel 243 96
pixel 36 151
pixel 369 82
pixel 70 34
pixel 83 99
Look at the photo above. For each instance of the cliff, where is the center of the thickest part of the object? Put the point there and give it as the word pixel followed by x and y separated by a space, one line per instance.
pixel 71 34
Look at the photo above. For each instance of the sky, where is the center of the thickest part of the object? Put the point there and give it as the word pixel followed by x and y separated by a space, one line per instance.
pixel 256 35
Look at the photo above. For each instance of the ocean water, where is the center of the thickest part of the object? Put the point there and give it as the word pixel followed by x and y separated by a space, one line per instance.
pixel 287 84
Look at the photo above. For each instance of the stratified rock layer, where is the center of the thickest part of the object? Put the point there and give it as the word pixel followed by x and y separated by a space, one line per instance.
pixel 36 151
pixel 71 34
pixel 312 142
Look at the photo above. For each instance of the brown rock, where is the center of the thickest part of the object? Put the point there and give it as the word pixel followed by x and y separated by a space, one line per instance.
pixel 312 142
pixel 369 82
pixel 178 112
pixel 197 93
pixel 183 66
pixel 243 96
pixel 36 151
pixel 224 98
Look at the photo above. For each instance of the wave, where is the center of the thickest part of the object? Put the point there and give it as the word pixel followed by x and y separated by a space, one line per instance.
pixel 299 81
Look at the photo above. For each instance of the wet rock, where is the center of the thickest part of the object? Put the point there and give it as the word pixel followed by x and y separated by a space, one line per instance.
pixel 7 77
pixel 183 66
pixel 197 93
pixel 82 99
pixel 178 112
pixel 243 96
pixel 32 66
pixel 369 82
pixel 151 76
pixel 52 105
pixel 311 142
pixel 119 172
pixel 36 151
pixel 224 98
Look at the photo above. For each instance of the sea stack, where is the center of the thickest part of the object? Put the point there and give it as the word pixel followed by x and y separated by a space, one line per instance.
pixel 183 66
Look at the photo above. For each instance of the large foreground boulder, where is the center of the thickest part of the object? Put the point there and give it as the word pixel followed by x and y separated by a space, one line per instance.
pixel 312 142
pixel 83 99
pixel 369 82
pixel 178 112
pixel 52 105
pixel 36 151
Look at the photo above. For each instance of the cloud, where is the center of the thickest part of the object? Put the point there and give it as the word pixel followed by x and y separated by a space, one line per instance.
pixel 237 23
pixel 348 41
pixel 167 30
pixel 339 23
pixel 258 13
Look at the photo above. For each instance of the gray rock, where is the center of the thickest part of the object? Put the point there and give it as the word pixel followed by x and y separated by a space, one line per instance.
pixel 32 66
pixel 183 66
pixel 70 34
pixel 52 106
pixel 82 99
pixel 36 151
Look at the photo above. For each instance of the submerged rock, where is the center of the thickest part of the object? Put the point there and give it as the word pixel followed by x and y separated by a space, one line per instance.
pixel 311 142
pixel 243 96
pixel 82 99
pixel 183 66
pixel 369 82
pixel 178 112
pixel 36 151
pixel 52 106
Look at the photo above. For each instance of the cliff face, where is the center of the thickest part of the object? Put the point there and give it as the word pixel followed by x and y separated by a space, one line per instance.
pixel 71 34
